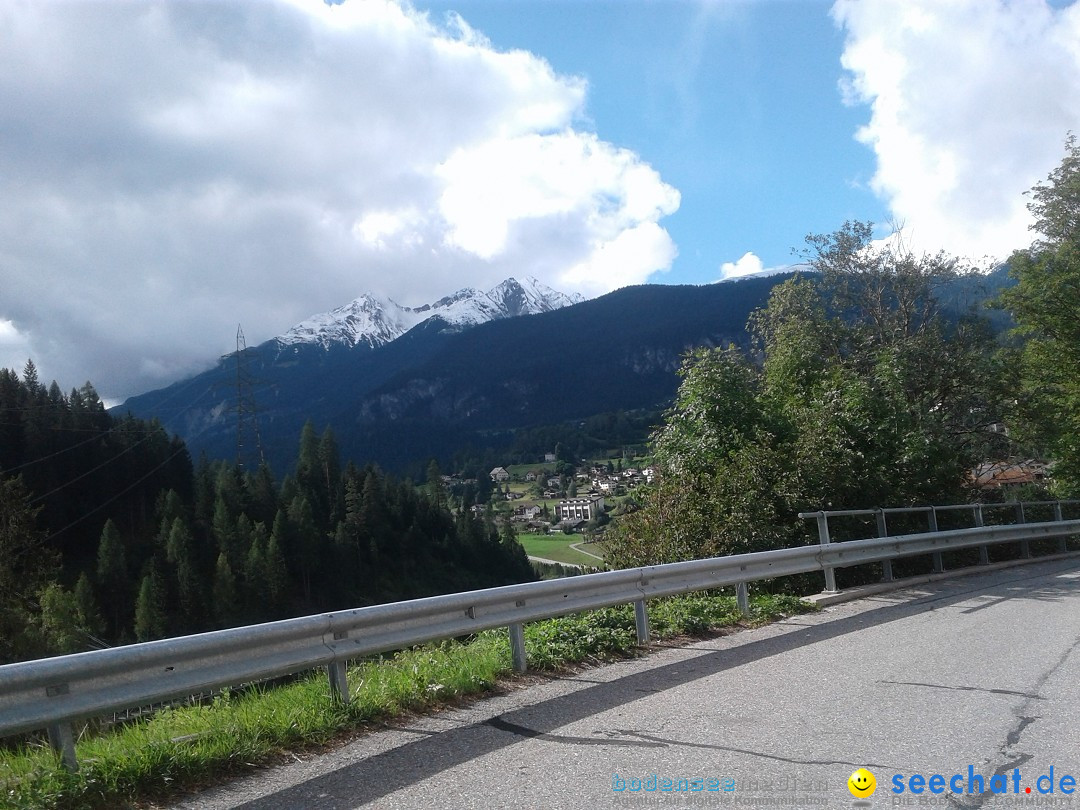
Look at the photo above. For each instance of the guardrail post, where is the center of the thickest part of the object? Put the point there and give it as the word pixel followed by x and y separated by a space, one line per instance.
pixel 742 598
pixel 1025 546
pixel 339 681
pixel 641 620
pixel 823 539
pixel 517 648
pixel 984 553
pixel 931 519
pixel 1058 516
pixel 883 531
pixel 63 743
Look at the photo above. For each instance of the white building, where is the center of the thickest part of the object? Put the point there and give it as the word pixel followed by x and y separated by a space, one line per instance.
pixel 573 510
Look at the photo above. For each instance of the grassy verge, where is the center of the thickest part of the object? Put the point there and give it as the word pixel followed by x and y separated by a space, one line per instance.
pixel 182 747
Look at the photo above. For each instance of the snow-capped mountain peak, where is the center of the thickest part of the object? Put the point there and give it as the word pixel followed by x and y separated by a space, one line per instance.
pixel 373 321
pixel 368 319
pixel 529 297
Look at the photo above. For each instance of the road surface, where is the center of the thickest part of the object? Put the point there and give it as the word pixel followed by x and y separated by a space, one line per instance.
pixel 964 678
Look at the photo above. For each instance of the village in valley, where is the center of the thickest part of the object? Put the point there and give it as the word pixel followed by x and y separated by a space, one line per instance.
pixel 560 509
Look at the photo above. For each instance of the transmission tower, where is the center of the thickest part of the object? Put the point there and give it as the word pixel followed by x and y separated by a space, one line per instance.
pixel 247 420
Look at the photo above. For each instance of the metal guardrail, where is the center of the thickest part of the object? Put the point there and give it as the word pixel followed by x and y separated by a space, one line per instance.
pixel 52 693
pixel 977 513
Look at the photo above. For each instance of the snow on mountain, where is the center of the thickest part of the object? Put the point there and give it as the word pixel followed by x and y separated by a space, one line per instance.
pixel 373 321
pixel 530 297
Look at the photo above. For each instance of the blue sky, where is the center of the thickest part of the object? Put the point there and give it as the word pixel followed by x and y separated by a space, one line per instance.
pixel 172 169
pixel 737 105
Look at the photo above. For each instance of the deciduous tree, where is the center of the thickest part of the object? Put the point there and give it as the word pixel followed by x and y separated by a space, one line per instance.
pixel 1046 304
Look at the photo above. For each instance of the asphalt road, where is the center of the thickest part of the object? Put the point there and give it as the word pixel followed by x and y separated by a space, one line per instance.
pixel 969 677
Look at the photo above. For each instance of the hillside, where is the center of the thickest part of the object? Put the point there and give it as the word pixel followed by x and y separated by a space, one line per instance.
pixel 439 387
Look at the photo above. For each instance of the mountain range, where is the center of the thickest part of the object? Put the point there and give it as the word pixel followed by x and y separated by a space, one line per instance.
pixel 373 321
pixel 400 385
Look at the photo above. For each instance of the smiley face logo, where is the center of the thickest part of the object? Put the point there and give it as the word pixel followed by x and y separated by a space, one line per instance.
pixel 862 784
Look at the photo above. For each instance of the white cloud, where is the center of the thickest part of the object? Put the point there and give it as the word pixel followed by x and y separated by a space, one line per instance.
pixel 750 265
pixel 970 105
pixel 747 265
pixel 180 167
pixel 14 347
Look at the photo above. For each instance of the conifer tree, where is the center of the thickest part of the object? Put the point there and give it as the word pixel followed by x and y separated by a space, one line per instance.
pixel 261 495
pixel 228 486
pixel 308 475
pixel 255 573
pixel 330 478
pixel 205 493
pixel 225 593
pixel 277 578
pixel 225 534
pixel 189 612
pixel 151 616
pixel 435 486
pixel 30 378
pixel 113 579
pixel 169 507
pixel 87 605
pixel 309 545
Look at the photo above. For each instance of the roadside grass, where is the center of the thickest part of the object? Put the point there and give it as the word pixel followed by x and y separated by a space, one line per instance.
pixel 181 748
pixel 556 547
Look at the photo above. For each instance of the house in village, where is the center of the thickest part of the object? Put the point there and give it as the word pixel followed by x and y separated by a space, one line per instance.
pixel 526 513
pixel 1006 474
pixel 579 510
pixel 499 474
pixel 605 484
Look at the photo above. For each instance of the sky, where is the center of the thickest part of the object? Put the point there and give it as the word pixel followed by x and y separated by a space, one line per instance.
pixel 169 170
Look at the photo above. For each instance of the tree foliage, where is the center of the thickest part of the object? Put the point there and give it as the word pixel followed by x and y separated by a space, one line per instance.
pixel 856 392
pixel 26 566
pixel 1046 304
pixel 107 534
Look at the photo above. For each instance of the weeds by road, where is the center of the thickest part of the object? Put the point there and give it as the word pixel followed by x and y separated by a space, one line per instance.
pixel 180 747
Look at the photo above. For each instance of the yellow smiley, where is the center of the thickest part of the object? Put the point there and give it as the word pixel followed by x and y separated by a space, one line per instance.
pixel 862 783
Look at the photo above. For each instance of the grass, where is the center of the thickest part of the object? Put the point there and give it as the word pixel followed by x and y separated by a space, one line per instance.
pixel 182 748
pixel 556 547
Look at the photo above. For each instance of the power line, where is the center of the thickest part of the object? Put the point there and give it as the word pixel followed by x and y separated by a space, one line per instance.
pixel 124 491
pixel 117 427
pixel 149 435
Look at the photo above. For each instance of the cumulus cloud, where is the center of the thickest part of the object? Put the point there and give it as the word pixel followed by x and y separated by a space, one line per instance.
pixel 749 264
pixel 970 103
pixel 172 169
